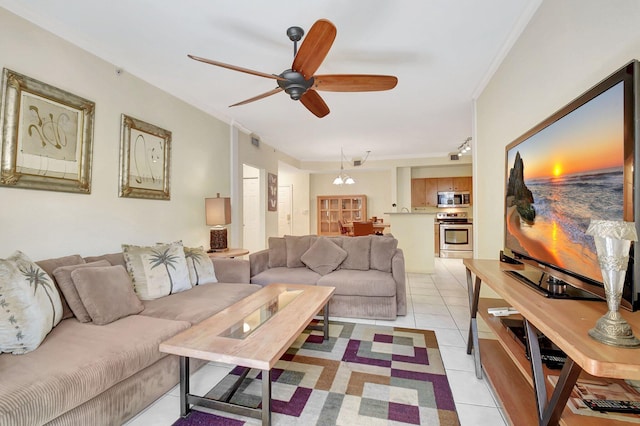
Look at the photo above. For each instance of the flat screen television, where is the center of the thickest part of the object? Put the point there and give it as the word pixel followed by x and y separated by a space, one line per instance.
pixel 576 165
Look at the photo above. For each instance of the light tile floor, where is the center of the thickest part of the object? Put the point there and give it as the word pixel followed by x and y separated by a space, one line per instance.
pixel 436 302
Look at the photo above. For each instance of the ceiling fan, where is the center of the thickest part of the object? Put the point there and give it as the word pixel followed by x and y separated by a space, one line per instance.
pixel 300 83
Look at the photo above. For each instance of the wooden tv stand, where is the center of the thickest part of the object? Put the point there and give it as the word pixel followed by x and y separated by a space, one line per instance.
pixel 518 383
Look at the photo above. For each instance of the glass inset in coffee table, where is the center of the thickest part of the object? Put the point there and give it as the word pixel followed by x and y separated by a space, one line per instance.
pixel 254 333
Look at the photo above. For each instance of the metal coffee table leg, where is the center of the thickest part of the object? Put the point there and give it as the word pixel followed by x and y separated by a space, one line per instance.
pixel 184 385
pixel 266 397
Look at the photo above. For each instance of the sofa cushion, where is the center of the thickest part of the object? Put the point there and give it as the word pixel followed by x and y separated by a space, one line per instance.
pixel 31 306
pixel 77 362
pixel 50 265
pixel 106 292
pixel 323 256
pixel 68 288
pixel 296 247
pixel 383 249
pixel 203 301
pixel 157 270
pixel 358 253
pixel 286 276
pixel 201 269
pixel 360 283
pixel 112 258
pixel 277 252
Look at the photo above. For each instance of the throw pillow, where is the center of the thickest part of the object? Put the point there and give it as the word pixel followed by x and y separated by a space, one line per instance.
pixel 50 265
pixel 383 249
pixel 323 256
pixel 106 292
pixel 201 270
pixel 158 270
pixel 358 253
pixel 68 288
pixel 296 247
pixel 277 252
pixel 30 304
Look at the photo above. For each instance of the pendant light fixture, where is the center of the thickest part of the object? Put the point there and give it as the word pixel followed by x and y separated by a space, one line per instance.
pixel 343 178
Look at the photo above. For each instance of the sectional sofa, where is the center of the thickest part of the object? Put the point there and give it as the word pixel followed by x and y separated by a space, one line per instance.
pixel 367 272
pixel 101 372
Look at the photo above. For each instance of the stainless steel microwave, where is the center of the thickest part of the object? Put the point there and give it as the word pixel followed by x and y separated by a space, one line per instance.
pixel 454 199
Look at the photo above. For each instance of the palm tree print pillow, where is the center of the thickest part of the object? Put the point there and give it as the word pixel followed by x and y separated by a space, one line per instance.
pixel 201 269
pixel 157 271
pixel 30 305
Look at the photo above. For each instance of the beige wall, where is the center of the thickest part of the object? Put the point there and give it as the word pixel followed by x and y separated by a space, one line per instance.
pixel 267 159
pixel 46 223
pixel 376 185
pixel 441 171
pixel 567 47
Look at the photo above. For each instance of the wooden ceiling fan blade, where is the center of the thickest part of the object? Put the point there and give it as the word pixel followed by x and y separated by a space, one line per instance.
pixel 236 68
pixel 314 103
pixel 354 82
pixel 314 48
pixel 256 98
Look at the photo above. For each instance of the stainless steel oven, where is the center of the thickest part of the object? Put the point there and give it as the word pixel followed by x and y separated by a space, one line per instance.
pixel 456 235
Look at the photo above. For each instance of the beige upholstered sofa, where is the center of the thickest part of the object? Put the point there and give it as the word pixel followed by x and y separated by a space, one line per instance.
pixel 89 374
pixel 367 272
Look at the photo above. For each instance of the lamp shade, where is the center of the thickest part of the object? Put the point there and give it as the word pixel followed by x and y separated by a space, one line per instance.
pixel 218 210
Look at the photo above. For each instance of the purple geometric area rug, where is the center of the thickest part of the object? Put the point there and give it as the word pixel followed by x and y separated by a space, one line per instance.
pixel 363 375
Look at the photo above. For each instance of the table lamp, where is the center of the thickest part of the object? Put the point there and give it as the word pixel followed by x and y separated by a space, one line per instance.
pixel 218 213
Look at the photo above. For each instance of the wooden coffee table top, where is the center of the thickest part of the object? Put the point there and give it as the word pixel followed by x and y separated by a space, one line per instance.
pixel 264 346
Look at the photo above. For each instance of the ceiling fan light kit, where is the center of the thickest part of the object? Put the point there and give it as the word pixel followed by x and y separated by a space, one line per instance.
pixel 300 81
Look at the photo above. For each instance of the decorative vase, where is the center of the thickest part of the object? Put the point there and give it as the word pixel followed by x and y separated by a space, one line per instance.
pixel 613 240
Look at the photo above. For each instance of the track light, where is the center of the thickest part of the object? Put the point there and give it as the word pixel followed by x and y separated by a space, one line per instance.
pixel 465 146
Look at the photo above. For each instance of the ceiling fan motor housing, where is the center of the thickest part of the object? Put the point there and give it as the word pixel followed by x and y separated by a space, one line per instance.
pixel 296 85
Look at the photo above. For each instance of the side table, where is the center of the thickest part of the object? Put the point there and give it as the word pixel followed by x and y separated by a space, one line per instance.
pixel 231 253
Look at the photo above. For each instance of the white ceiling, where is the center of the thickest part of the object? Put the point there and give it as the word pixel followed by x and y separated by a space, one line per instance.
pixel 442 52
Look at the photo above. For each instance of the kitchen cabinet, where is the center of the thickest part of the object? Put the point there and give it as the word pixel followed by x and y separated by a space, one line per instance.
pixel 445 184
pixel 335 208
pixel 418 193
pixel 424 191
pixel 462 183
pixel 431 188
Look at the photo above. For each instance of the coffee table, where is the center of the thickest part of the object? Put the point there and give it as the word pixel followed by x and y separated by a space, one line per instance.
pixel 254 333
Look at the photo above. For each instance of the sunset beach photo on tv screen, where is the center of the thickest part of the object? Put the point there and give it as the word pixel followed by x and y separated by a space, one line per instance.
pixel 563 176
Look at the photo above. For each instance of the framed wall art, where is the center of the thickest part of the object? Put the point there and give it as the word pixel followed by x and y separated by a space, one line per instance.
pixel 47 136
pixel 145 154
pixel 272 190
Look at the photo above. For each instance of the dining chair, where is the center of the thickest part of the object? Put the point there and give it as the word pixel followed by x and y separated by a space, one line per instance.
pixel 362 228
pixel 343 229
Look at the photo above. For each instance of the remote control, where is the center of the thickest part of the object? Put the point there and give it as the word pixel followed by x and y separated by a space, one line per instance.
pixel 553 358
pixel 613 405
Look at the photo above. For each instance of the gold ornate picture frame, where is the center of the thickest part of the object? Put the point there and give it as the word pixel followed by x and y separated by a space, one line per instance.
pixel 47 136
pixel 145 156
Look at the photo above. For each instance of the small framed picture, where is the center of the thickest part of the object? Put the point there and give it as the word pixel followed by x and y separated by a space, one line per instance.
pixel 272 189
pixel 145 155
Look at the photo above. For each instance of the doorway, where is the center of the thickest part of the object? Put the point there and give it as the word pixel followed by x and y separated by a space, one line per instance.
pixel 252 222
pixel 285 210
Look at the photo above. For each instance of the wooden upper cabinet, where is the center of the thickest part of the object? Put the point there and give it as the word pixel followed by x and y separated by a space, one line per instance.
pixel 462 183
pixel 445 184
pixel 424 191
pixel 418 192
pixel 431 187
